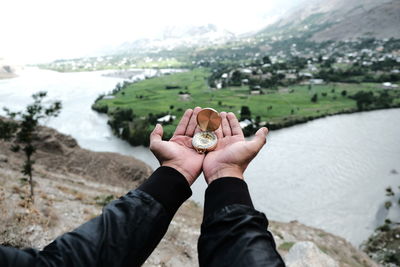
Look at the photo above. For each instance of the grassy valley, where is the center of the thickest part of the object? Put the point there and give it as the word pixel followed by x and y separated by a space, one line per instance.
pixel 134 108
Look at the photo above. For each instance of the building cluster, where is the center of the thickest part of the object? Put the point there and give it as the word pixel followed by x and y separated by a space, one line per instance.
pixel 304 64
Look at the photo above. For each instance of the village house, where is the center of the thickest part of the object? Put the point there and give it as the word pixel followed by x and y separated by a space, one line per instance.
pixel 389 85
pixel 316 81
pixel 166 118
pixel 255 90
pixel 245 123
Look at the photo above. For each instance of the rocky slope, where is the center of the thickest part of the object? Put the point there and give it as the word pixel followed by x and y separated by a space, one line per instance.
pixel 72 185
pixel 384 245
pixel 382 21
pixel 341 20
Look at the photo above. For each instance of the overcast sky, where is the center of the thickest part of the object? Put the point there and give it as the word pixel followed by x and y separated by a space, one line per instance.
pixel 42 30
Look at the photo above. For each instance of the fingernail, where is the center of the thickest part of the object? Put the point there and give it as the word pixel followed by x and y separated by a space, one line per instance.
pixel 265 130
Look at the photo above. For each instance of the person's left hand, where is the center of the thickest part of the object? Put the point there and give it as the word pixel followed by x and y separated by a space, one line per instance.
pixel 178 152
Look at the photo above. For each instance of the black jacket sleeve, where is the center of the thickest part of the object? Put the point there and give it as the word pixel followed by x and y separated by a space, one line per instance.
pixel 233 233
pixel 124 234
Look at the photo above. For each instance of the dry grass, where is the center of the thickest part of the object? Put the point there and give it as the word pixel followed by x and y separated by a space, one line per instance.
pixel 44 196
pixel 73 192
pixel 80 196
pixel 16 189
pixel 51 215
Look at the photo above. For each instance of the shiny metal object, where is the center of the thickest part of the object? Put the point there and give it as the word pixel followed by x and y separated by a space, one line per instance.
pixel 208 121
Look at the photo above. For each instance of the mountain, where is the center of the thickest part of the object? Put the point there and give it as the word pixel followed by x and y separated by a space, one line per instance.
pixel 322 20
pixel 172 37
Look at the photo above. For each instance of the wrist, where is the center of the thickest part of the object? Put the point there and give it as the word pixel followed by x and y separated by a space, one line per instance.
pixel 224 192
pixel 231 171
pixel 169 187
pixel 189 178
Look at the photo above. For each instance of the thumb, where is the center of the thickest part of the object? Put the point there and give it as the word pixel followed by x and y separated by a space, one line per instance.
pixel 156 134
pixel 259 139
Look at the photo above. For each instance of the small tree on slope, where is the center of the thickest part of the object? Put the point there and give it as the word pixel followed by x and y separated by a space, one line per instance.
pixel 22 127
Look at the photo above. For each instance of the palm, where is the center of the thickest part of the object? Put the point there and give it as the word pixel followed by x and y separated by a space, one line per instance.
pixel 233 153
pixel 178 152
pixel 179 149
pixel 230 151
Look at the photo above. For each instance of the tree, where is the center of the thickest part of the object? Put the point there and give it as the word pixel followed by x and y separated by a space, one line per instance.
pixel 314 98
pixel 245 113
pixel 258 120
pixel 266 60
pixel 22 127
pixel 363 99
pixel 384 99
pixel 236 79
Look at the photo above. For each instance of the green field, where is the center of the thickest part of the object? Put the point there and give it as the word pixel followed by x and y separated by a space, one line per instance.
pixel 282 106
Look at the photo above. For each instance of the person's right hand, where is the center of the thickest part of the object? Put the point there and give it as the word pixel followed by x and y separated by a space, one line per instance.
pixel 178 152
pixel 232 154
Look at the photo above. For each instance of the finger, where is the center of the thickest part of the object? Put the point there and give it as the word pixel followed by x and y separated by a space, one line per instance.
pixel 192 123
pixel 156 134
pixel 219 133
pixel 259 139
pixel 234 124
pixel 182 125
pixel 226 128
pixel 197 130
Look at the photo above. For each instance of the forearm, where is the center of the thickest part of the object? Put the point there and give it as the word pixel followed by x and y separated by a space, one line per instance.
pixel 233 232
pixel 125 233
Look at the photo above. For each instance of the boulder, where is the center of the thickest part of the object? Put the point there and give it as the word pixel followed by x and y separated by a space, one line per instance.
pixel 3 158
pixel 304 254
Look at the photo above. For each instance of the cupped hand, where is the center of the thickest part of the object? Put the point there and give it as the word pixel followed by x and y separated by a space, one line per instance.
pixel 233 153
pixel 178 152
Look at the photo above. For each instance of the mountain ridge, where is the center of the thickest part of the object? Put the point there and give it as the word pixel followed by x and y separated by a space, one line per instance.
pixel 340 20
pixel 172 37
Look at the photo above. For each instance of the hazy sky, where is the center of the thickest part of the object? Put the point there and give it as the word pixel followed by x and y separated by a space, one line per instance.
pixel 42 30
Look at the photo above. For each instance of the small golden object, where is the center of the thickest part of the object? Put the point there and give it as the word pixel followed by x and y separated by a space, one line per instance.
pixel 208 121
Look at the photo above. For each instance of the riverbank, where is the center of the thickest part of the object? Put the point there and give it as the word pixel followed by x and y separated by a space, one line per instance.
pixel 93 64
pixel 384 245
pixel 72 185
pixel 134 108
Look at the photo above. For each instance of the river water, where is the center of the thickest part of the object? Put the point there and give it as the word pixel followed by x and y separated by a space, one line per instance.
pixel 330 173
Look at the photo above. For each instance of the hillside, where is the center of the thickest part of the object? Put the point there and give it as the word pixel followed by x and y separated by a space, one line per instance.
pixel 340 20
pixel 72 185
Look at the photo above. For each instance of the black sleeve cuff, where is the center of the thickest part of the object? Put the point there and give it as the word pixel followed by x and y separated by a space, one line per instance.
pixel 169 187
pixel 226 191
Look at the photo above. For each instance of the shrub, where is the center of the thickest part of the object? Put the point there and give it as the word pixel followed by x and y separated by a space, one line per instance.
pixel 314 98
pixel 23 132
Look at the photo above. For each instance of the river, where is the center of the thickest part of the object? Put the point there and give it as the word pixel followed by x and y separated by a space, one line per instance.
pixel 330 173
